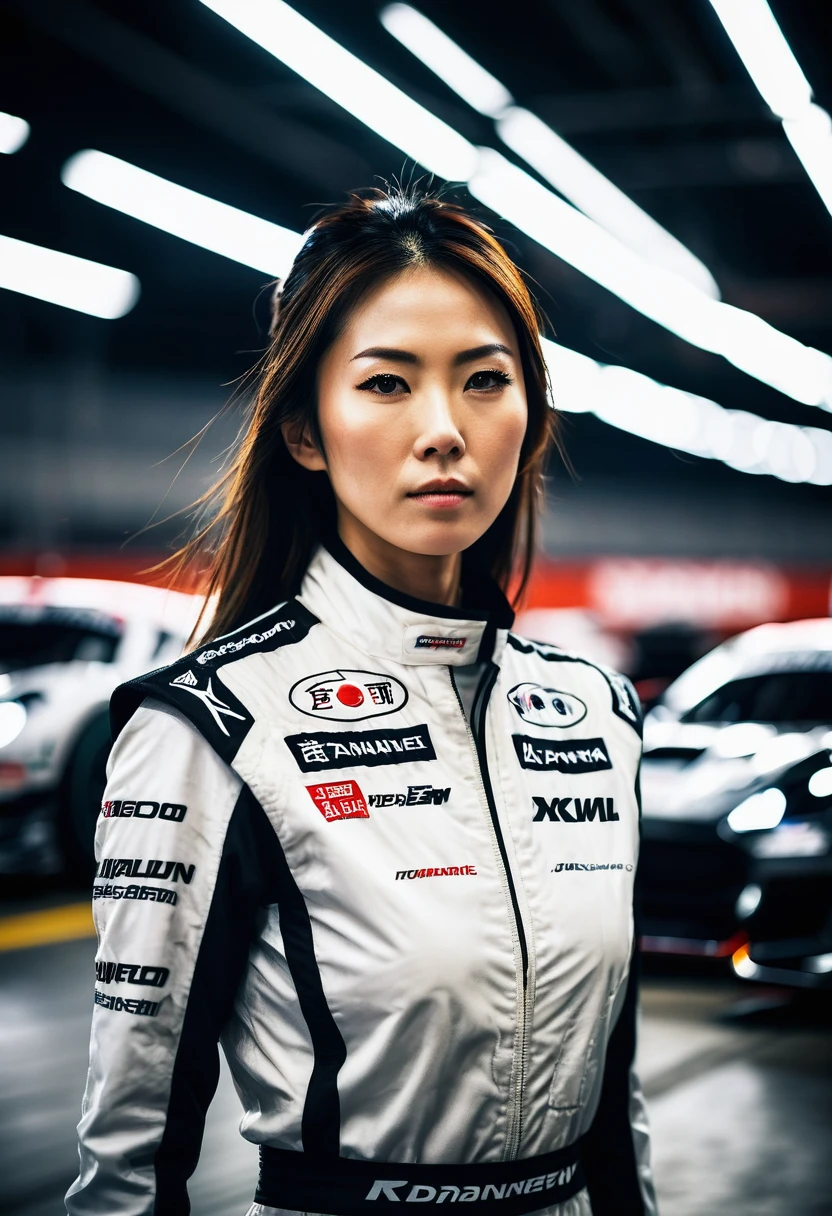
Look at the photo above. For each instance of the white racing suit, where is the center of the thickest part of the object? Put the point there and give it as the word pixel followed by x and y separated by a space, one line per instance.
pixel 410 925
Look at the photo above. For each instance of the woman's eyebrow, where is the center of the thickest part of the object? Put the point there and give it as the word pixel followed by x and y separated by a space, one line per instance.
pixel 407 356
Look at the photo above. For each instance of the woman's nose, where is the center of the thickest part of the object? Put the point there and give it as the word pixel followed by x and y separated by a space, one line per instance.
pixel 439 433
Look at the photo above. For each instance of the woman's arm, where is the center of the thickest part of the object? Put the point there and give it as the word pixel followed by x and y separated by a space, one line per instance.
pixel 616 1150
pixel 182 848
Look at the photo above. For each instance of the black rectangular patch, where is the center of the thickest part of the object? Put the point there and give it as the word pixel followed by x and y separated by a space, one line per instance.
pixel 550 756
pixel 360 748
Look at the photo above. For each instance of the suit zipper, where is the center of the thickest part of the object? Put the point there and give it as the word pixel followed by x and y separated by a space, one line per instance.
pixel 476 738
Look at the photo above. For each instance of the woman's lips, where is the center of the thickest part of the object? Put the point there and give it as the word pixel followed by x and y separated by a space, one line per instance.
pixel 442 498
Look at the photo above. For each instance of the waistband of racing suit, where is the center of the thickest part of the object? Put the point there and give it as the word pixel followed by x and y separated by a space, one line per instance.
pixel 341 1186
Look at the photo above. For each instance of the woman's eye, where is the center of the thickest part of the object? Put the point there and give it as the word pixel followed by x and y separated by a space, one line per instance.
pixel 385 384
pixel 485 381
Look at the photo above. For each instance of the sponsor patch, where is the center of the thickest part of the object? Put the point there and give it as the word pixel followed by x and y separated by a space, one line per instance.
pixel 426 641
pixel 253 639
pixel 548 707
pixel 339 800
pixel 137 808
pixel 348 695
pixel 366 748
pixel 547 756
pixel 127 1004
pixel 153 895
pixel 217 708
pixel 417 795
pixel 575 810
pixel 510 1188
pixel 438 872
pixel 131 973
pixel 137 867
pixel 591 866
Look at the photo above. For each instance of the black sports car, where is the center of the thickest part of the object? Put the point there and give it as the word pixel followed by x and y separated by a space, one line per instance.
pixel 736 855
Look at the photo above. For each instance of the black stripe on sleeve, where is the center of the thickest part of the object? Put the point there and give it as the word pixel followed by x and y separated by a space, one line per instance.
pixel 608 1152
pixel 321 1121
pixel 253 873
pixel 243 887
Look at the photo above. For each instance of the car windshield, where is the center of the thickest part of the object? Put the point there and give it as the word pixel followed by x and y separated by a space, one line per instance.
pixel 32 636
pixel 793 697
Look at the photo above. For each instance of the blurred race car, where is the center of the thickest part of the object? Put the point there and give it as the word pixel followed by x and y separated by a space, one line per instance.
pixel 736 855
pixel 64 645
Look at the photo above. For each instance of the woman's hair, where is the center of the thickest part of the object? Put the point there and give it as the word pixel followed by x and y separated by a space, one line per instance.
pixel 266 513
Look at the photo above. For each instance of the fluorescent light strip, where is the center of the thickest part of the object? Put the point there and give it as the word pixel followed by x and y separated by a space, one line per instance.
pixel 539 146
pixel 184 213
pixel 13 133
pixel 771 64
pixel 742 338
pixel 618 395
pixel 351 83
pixel 61 278
pixel 686 422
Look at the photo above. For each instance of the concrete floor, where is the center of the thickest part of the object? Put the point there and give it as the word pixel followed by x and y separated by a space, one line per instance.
pixel 739 1082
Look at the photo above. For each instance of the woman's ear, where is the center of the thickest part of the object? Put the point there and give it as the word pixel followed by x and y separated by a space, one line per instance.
pixel 302 447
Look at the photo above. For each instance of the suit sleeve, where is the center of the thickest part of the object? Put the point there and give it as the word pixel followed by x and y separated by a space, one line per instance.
pixel 616 1151
pixel 175 900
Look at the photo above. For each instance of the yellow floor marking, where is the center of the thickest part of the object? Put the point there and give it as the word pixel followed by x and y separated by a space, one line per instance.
pixel 62 924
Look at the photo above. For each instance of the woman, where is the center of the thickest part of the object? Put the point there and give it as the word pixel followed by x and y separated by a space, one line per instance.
pixel 380 845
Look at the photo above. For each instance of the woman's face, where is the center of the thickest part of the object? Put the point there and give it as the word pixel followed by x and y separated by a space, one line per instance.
pixel 422 409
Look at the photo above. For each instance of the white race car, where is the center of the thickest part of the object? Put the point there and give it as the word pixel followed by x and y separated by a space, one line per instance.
pixel 65 643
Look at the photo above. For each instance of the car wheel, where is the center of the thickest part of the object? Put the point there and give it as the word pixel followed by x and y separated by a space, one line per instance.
pixel 83 787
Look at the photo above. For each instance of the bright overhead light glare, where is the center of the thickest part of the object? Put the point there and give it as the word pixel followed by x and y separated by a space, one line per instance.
pixel 61 278
pixel 759 812
pixel 537 143
pixel 619 396
pixel 771 64
pixel 760 44
pixel 595 195
pixel 811 137
pixel 745 340
pixel 631 401
pixel 351 83
pixel 13 133
pixel 443 56
pixel 184 213
pixel 742 338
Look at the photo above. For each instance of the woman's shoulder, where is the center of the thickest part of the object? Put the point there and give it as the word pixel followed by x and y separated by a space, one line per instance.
pixel 199 684
pixel 156 730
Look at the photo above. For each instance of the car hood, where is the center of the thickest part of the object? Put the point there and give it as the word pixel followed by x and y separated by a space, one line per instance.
pixel 698 773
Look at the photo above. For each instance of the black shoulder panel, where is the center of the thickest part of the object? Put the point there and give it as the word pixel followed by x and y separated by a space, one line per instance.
pixel 194 686
pixel 625 702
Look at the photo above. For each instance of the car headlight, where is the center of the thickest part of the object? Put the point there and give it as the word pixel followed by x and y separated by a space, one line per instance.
pixel 12 720
pixel 820 783
pixel 759 812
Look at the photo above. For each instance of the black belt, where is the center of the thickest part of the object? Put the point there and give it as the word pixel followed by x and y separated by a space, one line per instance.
pixel 344 1187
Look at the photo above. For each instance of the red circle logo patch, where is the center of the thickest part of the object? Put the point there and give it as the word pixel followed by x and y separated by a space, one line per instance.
pixel 349 694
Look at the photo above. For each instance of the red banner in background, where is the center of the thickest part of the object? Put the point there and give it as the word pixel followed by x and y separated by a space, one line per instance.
pixel 634 593
pixel 623 594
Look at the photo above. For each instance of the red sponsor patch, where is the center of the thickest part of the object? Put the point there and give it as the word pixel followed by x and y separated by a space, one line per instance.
pixel 339 800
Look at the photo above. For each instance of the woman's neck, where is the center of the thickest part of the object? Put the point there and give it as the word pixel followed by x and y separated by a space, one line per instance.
pixel 425 576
